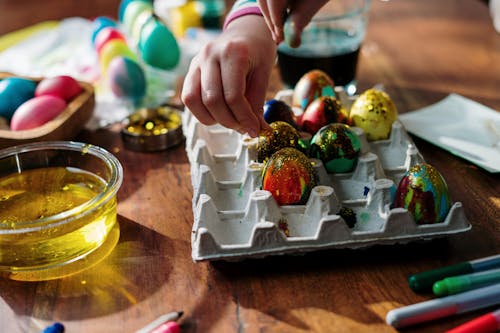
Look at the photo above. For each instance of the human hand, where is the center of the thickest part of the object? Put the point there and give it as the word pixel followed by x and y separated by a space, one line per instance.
pixel 227 80
pixel 298 12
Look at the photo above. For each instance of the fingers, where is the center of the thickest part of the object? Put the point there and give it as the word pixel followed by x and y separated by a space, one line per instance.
pixel 274 12
pixel 213 95
pixel 300 14
pixel 235 69
pixel 191 91
pixel 214 90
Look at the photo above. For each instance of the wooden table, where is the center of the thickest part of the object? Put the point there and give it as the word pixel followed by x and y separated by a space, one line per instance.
pixel 421 51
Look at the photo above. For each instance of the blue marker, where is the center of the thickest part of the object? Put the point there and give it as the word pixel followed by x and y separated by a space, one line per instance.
pixel 445 306
pixel 55 328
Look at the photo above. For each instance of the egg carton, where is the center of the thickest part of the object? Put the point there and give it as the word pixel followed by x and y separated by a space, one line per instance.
pixel 234 219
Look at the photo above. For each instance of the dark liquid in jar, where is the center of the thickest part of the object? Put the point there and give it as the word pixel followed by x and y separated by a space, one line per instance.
pixel 340 67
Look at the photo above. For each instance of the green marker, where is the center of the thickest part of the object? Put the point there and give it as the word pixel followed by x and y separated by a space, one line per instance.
pixel 457 284
pixel 424 281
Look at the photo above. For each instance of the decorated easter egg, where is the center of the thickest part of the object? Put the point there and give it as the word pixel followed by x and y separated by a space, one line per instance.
pixel 289 176
pixel 133 10
pixel 277 110
pixel 312 85
pixel 279 135
pixel 424 193
pixel 337 146
pixel 14 91
pixel 157 45
pixel 100 23
pixel 63 86
pixel 374 112
pixel 105 35
pixel 126 78
pixel 322 111
pixel 112 49
pixel 123 5
pixel 36 112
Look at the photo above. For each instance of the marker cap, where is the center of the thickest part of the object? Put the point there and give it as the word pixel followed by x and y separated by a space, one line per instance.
pixel 424 281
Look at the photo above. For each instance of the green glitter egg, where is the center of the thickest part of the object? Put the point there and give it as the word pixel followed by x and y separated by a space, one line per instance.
pixel 337 146
pixel 424 193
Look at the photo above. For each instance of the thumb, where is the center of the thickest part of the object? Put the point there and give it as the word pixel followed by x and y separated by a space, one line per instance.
pixel 301 13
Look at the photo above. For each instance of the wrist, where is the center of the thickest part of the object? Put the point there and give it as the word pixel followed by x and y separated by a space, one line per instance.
pixel 242 8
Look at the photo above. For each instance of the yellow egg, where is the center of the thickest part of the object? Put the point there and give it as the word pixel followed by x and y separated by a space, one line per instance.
pixel 112 49
pixel 374 112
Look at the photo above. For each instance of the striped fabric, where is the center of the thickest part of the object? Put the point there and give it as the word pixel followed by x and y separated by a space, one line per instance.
pixel 242 8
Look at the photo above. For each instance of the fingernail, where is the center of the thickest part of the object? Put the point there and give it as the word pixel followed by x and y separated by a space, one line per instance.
pixel 252 132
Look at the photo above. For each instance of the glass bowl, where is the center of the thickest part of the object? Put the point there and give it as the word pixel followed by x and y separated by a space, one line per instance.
pixel 57 208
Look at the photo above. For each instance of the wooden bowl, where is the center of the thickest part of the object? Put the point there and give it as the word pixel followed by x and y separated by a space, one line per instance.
pixel 64 127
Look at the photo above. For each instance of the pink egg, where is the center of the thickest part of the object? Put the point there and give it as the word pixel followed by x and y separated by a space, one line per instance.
pixel 36 112
pixel 62 86
pixel 105 35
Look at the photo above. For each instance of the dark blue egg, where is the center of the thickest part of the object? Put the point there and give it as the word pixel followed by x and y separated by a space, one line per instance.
pixel 14 91
pixel 276 110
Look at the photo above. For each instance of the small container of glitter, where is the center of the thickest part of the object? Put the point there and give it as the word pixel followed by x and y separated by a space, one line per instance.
pixel 152 129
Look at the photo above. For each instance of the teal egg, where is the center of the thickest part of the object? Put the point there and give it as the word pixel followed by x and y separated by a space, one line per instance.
pixel 132 11
pixel 158 46
pixel 424 193
pixel 14 91
pixel 337 146
pixel 127 79
pixel 123 5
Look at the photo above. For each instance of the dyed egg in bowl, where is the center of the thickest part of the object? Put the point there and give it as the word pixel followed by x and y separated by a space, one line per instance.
pixel 57 208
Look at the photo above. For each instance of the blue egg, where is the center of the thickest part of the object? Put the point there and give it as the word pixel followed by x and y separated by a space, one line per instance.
pixel 126 79
pixel 100 23
pixel 276 110
pixel 14 91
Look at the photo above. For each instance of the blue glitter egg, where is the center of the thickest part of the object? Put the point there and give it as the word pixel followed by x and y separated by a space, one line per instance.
pixel 276 110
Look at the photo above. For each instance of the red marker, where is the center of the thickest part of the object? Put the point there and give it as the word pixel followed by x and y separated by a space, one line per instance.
pixel 163 324
pixel 168 327
pixel 489 323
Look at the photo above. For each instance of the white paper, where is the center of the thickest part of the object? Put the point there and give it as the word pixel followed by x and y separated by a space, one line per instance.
pixel 461 126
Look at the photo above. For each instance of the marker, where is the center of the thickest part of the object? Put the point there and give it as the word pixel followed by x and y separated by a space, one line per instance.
pixel 54 328
pixel 423 282
pixel 461 283
pixel 160 321
pixel 489 323
pixel 168 327
pixel 446 306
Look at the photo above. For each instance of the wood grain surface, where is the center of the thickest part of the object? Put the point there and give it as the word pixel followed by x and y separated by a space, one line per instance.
pixel 421 51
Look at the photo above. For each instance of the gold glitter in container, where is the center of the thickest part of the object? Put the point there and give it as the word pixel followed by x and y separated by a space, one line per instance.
pixel 152 129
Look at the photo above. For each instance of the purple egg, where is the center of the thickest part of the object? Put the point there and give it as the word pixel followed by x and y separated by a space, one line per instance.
pixel 126 79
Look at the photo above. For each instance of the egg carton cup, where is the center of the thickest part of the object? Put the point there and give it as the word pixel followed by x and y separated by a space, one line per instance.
pixel 234 219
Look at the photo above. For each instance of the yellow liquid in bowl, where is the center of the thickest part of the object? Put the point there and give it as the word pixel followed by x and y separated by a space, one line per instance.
pixel 30 241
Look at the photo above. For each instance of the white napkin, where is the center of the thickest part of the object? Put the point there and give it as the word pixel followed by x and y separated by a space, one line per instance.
pixel 461 126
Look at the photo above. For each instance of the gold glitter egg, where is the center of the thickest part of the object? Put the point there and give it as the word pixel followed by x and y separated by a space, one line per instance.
pixel 280 135
pixel 374 112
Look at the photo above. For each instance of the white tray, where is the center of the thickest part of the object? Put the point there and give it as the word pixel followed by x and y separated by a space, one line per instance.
pixel 234 219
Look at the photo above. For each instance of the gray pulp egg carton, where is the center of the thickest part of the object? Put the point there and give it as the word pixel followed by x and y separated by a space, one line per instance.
pixel 234 219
